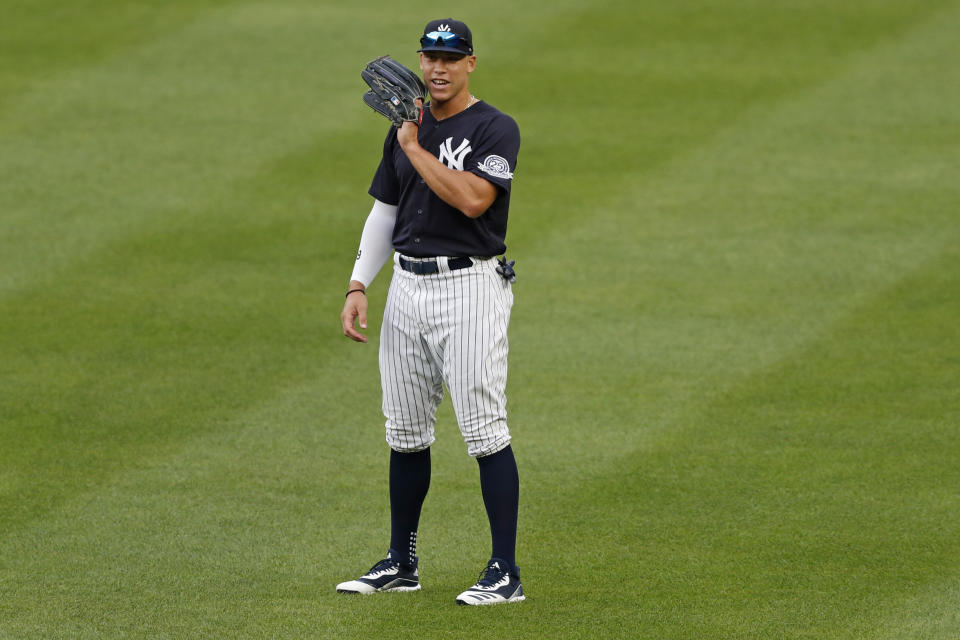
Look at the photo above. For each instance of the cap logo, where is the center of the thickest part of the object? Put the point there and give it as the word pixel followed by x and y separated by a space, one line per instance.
pixel 443 27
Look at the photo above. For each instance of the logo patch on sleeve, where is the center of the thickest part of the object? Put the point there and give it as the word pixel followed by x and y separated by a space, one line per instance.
pixel 497 167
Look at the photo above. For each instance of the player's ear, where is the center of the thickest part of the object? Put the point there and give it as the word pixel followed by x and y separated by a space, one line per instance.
pixel 421 62
pixel 471 63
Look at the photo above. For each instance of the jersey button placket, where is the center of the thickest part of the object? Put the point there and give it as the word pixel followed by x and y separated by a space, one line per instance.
pixel 418 225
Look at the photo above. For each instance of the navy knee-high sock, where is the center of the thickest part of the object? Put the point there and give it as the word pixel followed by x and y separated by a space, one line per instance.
pixel 409 482
pixel 500 485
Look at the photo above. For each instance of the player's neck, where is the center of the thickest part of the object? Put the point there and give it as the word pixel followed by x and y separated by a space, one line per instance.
pixel 448 108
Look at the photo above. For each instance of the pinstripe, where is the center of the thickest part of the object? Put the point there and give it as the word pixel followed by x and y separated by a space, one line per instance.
pixel 447 327
pixel 411 384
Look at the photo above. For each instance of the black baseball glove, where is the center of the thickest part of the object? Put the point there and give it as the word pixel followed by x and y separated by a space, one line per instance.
pixel 394 91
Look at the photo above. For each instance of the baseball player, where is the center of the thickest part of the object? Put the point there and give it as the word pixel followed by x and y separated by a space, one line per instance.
pixel 442 193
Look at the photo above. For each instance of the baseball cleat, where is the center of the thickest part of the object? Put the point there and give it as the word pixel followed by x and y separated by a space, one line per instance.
pixel 497 585
pixel 386 575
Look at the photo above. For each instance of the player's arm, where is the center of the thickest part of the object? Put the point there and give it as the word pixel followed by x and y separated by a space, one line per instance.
pixel 375 247
pixel 469 193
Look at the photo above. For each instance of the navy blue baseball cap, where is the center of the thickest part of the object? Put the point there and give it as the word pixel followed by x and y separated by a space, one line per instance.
pixel 447 35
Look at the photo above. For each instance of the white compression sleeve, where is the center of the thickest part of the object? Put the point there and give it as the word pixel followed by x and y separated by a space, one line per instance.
pixel 376 242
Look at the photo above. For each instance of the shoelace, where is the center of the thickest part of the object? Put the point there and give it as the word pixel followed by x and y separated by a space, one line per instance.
pixel 383 565
pixel 490 576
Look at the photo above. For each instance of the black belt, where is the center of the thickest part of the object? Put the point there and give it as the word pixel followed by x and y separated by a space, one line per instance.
pixel 427 267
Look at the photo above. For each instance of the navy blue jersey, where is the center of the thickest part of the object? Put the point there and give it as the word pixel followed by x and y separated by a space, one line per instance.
pixel 480 139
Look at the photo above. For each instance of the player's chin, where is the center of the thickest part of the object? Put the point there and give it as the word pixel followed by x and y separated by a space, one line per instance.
pixel 441 93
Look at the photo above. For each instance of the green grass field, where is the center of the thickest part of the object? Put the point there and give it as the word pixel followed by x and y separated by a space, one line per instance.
pixel 735 348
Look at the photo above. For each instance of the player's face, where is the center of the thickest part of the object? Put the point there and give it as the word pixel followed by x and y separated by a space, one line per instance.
pixel 446 74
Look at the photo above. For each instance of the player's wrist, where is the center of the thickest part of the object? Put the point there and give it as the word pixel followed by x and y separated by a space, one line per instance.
pixel 356 287
pixel 407 137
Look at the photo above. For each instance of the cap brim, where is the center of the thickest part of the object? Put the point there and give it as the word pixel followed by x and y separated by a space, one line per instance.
pixel 445 49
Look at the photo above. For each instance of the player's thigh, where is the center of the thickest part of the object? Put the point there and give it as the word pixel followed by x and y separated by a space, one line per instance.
pixel 475 366
pixel 410 377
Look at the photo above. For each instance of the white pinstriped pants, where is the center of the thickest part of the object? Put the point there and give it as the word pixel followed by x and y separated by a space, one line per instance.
pixel 449 327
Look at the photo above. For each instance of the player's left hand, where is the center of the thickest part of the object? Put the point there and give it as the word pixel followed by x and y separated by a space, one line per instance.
pixel 407 134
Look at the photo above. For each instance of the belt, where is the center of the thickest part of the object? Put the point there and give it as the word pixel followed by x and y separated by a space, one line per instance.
pixel 427 267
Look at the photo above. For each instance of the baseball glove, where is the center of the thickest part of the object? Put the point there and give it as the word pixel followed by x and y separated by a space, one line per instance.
pixel 394 91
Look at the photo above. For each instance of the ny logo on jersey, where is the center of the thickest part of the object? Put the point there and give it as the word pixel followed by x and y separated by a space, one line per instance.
pixel 454 158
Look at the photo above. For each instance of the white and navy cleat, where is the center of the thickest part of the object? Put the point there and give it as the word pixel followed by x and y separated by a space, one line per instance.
pixel 386 575
pixel 498 584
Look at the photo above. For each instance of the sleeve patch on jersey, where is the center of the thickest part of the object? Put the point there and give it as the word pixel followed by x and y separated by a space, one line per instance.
pixel 497 167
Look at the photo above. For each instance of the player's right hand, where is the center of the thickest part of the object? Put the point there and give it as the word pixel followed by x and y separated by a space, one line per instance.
pixel 354 310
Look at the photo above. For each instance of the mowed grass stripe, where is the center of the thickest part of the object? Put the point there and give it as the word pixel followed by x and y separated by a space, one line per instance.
pixel 733 254
pixel 713 267
pixel 169 237
pixel 837 282
pixel 43 39
pixel 147 134
pixel 735 331
pixel 663 93
pixel 213 232
pixel 808 500
pixel 139 141
pixel 163 233
pixel 934 613
pixel 114 353
pixel 167 281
